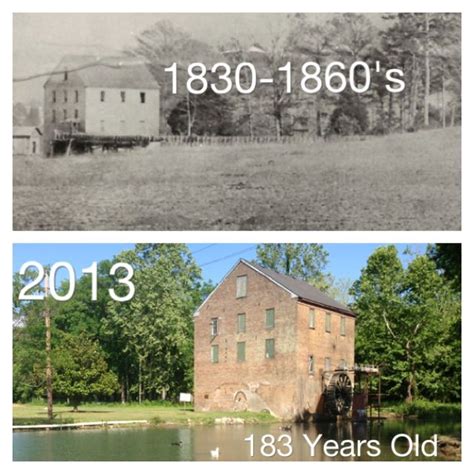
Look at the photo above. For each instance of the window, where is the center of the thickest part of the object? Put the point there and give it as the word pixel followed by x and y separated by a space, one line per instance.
pixel 327 364
pixel 122 96
pixel 269 348
pixel 76 96
pixel 142 97
pixel 241 352
pixel 76 113
pixel 54 96
pixel 102 96
pixel 270 318
pixel 241 323
pixel 214 327
pixel 343 325
pixel 328 322
pixel 65 96
pixel 33 150
pixel 53 117
pixel 65 75
pixel 310 364
pixel 343 364
pixel 215 354
pixel 312 318
pixel 64 114
pixel 241 286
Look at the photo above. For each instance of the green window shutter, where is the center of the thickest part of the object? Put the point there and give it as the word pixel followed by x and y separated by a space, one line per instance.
pixel 215 354
pixel 312 318
pixel 269 348
pixel 241 286
pixel 270 318
pixel 241 323
pixel 214 327
pixel 343 325
pixel 328 322
pixel 241 351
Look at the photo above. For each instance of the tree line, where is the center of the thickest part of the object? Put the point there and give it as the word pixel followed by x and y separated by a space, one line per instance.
pixel 408 322
pixel 426 46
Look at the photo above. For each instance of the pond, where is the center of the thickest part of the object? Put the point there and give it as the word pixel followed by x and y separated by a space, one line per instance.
pixel 194 443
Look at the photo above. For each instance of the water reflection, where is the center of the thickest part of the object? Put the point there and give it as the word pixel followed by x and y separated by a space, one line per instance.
pixel 195 443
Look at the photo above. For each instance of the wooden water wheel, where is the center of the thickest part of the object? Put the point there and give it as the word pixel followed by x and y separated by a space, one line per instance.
pixel 338 394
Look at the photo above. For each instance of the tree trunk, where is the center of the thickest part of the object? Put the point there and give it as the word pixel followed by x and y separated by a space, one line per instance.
pixel 443 99
pixel 49 369
pixel 139 380
pixel 427 72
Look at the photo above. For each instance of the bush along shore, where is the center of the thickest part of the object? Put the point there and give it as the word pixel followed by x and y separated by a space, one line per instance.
pixel 422 410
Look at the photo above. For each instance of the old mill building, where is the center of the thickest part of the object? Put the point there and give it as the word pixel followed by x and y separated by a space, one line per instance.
pixel 266 341
pixel 113 97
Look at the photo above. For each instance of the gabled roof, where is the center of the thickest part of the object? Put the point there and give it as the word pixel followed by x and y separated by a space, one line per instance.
pixel 107 72
pixel 25 131
pixel 304 291
pixel 296 288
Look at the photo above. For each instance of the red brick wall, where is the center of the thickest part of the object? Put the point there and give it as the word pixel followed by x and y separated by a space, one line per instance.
pixel 320 344
pixel 282 384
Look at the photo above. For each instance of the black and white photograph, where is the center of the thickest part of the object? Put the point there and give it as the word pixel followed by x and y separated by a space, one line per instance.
pixel 236 121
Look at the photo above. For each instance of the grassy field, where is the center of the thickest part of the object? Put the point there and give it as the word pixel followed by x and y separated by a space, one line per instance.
pixel 34 414
pixel 399 182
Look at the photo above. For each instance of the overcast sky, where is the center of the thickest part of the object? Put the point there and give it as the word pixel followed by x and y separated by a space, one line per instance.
pixel 41 39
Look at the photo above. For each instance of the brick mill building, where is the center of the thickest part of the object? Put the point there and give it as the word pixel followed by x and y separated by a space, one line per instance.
pixel 102 97
pixel 266 341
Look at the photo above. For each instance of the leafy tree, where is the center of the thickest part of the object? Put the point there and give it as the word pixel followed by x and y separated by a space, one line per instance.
pixel 302 261
pixel 210 114
pixel 156 326
pixel 407 317
pixel 447 258
pixel 80 369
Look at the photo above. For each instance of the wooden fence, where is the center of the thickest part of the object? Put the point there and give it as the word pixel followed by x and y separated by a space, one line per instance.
pixel 238 140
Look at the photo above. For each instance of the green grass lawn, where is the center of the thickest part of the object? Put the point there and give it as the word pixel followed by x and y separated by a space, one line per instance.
pixel 31 414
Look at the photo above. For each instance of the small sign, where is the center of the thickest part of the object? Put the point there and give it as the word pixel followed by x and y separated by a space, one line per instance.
pixel 185 398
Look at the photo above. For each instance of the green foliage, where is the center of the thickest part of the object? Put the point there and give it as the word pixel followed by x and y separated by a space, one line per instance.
pixel 80 369
pixel 447 258
pixel 409 323
pixel 142 349
pixel 302 261
pixel 426 410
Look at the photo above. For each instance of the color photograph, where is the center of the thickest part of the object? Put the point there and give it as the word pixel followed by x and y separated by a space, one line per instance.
pixel 237 352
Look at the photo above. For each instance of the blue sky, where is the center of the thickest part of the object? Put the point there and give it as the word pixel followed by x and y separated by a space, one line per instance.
pixel 345 260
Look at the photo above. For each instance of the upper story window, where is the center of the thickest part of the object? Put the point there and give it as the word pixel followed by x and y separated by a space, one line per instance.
pixel 65 96
pixel 64 114
pixel 76 113
pixel 53 116
pixel 214 328
pixel 328 322
pixel 311 364
pixel 122 96
pixel 142 97
pixel 65 75
pixel 241 323
pixel 76 96
pixel 102 96
pixel 327 364
pixel 343 325
pixel 270 318
pixel 312 318
pixel 54 96
pixel 241 286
